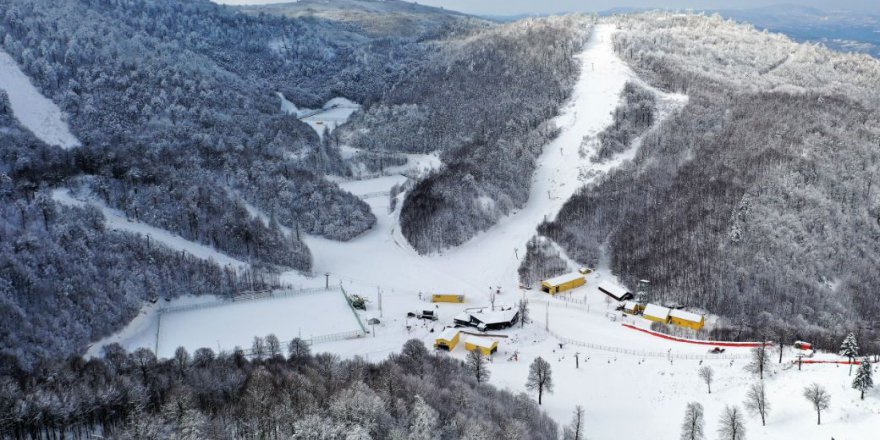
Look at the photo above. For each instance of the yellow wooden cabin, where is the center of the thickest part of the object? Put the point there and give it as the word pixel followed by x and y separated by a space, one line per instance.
pixel 633 308
pixel 687 319
pixel 445 298
pixel 653 312
pixel 447 340
pixel 562 283
pixel 485 345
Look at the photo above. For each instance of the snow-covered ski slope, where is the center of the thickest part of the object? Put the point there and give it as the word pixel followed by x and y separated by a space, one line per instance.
pixel 33 110
pixel 117 221
pixel 491 258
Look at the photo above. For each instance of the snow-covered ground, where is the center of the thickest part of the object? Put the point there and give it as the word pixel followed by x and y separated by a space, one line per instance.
pixel 116 220
pixel 224 325
pixel 332 114
pixel 632 385
pixel 33 110
pixel 416 164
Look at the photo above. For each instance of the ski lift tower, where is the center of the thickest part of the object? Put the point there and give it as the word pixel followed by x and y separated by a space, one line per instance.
pixel 643 292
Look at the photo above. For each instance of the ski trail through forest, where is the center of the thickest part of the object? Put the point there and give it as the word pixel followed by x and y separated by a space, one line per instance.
pixel 382 257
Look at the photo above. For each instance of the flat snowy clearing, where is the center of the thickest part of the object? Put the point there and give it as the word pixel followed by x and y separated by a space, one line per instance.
pixel 33 110
pixel 117 221
pixel 332 114
pixel 225 325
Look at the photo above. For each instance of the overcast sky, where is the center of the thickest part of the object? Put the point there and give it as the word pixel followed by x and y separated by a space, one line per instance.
pixel 514 7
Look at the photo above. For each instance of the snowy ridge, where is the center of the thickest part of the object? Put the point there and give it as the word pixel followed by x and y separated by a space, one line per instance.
pixel 33 110
pixel 116 220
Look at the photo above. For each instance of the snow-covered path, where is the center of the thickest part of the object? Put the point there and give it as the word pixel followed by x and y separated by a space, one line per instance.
pixel 33 110
pixel 116 220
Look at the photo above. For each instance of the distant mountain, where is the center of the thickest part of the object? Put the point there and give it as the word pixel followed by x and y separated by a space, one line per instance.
pixel 842 30
pixel 847 31
pixel 375 17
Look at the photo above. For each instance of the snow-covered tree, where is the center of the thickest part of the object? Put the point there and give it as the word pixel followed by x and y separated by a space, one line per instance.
pixel 478 365
pixel 297 350
pixel 540 378
pixel 760 360
pixel 575 429
pixel 864 379
pixel 181 359
pixel 850 349
pixel 412 356
pixel 707 375
pixel 732 426
pixel 273 346
pixel 258 348
pixel 819 398
pixel 523 312
pixel 756 401
pixel 423 421
pixel 693 425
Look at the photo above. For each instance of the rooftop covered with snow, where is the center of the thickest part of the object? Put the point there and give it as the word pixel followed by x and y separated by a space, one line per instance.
pixel 615 292
pixel 685 315
pixel 562 279
pixel 656 311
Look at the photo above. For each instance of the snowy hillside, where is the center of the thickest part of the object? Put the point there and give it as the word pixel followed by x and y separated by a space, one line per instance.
pixel 280 216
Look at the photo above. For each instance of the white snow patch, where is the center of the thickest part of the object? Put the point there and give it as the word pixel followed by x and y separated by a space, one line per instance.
pixel 33 110
pixel 332 114
pixel 226 325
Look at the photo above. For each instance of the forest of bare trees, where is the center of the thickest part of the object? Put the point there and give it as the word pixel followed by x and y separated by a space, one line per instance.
pixel 292 395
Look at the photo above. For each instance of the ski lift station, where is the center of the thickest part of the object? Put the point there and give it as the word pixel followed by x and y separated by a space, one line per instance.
pixel 563 282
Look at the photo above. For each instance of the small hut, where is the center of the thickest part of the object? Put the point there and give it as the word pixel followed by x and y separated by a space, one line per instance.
pixel 447 340
pixel 485 345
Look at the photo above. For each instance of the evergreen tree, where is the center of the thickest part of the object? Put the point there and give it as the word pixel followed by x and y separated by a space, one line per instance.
pixel 864 379
pixel 850 349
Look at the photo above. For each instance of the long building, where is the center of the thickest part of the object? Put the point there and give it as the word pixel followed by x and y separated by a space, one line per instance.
pixel 562 283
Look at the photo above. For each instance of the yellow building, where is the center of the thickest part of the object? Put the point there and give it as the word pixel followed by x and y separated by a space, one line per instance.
pixel 633 308
pixel 562 283
pixel 438 298
pixel 687 319
pixel 656 313
pixel 485 345
pixel 447 340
